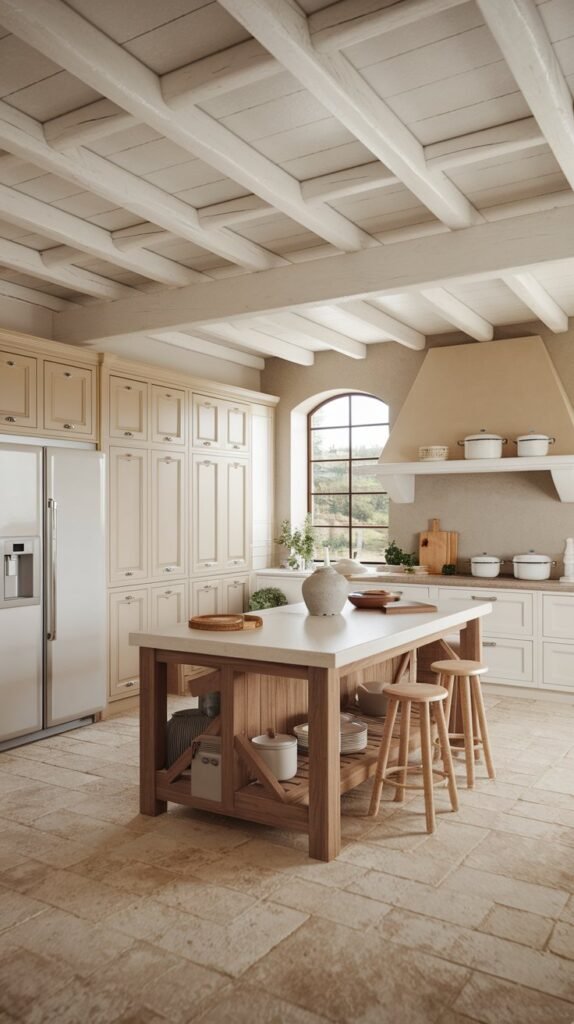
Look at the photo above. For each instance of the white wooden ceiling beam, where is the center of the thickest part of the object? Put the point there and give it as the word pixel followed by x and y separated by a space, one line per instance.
pixel 30 213
pixel 258 340
pixel 61 34
pixel 458 314
pixel 209 348
pixel 477 253
pixel 352 21
pixel 390 328
pixel 283 29
pixel 300 327
pixel 486 144
pixel 521 35
pixel 22 135
pixel 535 297
pixel 34 297
pixel 29 261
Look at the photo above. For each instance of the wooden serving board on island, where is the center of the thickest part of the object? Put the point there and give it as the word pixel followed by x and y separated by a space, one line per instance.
pixel 407 608
pixel 437 547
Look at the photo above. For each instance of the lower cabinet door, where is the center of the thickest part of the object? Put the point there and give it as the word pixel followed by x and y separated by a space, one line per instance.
pixel 236 594
pixel 509 661
pixel 558 666
pixel 206 597
pixel 168 606
pixel 128 614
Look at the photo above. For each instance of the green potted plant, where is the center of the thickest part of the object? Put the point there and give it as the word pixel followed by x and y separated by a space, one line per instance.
pixel 266 597
pixel 300 542
pixel 395 555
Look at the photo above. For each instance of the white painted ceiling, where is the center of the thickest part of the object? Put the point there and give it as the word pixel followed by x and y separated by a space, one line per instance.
pixel 149 146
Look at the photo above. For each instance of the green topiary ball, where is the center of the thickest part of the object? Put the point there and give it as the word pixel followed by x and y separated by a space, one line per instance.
pixel 267 597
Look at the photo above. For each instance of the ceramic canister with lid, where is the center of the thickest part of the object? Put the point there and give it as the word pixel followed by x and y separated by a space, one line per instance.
pixel 483 445
pixel 485 565
pixel 533 444
pixel 279 751
pixel 532 566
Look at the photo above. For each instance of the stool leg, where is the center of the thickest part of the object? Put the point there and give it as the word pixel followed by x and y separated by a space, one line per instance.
pixel 383 757
pixel 464 690
pixel 446 754
pixel 403 748
pixel 475 723
pixel 449 686
pixel 427 766
pixel 479 703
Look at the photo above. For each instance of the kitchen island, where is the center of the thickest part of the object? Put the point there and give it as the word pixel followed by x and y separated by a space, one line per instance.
pixel 297 667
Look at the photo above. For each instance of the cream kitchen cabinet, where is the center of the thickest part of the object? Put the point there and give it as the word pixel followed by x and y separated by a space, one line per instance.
pixel 220 514
pixel 558 616
pixel 512 610
pixel 168 605
pixel 219 424
pixel 236 524
pixel 206 597
pixel 235 594
pixel 509 660
pixel 129 613
pixel 168 418
pixel 128 409
pixel 558 666
pixel 128 519
pixel 168 498
pixel 18 390
pixel 69 399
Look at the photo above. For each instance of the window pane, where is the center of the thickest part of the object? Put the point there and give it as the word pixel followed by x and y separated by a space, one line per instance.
pixel 368 410
pixel 365 483
pixel 333 414
pixel 370 509
pixel 368 441
pixel 370 544
pixel 337 540
pixel 330 444
pixel 330 510
pixel 330 476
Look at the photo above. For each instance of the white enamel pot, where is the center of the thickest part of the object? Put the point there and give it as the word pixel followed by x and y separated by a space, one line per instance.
pixel 533 444
pixel 279 753
pixel 532 566
pixel 485 565
pixel 483 445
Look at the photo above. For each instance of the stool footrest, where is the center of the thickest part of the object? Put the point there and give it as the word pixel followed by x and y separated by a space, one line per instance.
pixel 438 776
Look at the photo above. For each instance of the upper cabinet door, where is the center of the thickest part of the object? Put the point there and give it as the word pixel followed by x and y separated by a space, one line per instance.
pixel 168 514
pixel 236 515
pixel 207 514
pixel 69 393
pixel 128 470
pixel 237 427
pixel 167 415
pixel 207 427
pixel 18 391
pixel 128 409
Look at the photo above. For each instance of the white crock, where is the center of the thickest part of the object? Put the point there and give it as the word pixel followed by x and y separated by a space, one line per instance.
pixel 485 565
pixel 325 591
pixel 279 753
pixel 532 566
pixel 533 444
pixel 483 445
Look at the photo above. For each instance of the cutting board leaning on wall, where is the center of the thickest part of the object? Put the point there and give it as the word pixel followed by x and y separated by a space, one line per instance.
pixel 437 547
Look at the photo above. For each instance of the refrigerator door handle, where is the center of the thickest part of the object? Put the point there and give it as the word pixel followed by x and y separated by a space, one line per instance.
pixel 52 567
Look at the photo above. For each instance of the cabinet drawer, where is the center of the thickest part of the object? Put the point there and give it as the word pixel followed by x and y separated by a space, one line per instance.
pixel 128 409
pixel 512 612
pixel 69 393
pixel 18 391
pixel 558 666
pixel 509 661
pixel 558 615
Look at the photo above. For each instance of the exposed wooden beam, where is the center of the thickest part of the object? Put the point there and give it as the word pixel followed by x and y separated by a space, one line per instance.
pixel 58 32
pixel 390 328
pixel 521 35
pixel 332 79
pixel 29 261
pixel 32 214
pixel 477 253
pixel 351 21
pixel 23 136
pixel 301 327
pixel 459 314
pixel 259 341
pixel 529 290
pixel 486 144
pixel 209 348
pixel 34 297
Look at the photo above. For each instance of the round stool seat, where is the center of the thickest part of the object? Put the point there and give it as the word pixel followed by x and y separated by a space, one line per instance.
pixel 418 693
pixel 459 667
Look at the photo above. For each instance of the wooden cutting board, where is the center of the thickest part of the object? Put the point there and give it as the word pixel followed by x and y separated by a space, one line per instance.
pixel 437 547
pixel 408 608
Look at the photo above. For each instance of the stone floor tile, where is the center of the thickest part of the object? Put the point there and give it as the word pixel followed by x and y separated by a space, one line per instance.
pixel 245 878
pixel 532 860
pixel 26 978
pixel 544 812
pixel 212 902
pixel 518 925
pixel 184 992
pixel 246 1005
pixel 562 940
pixel 494 1001
pixel 81 829
pixel 24 875
pixel 139 1015
pixel 16 907
pixel 62 937
pixel 511 892
pixel 86 898
pixel 567 912
pixel 350 909
pixel 559 780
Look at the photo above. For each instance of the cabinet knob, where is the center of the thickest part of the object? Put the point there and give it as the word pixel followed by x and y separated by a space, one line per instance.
pixel 10 362
pixel 67 373
pixel 168 438
pixel 128 433
pixel 169 568
pixel 129 597
pixel 129 573
pixel 168 592
pixel 68 426
pixel 128 387
pixel 131 683
pixel 206 444
pixel 489 643
pixel 237 446
pixel 10 419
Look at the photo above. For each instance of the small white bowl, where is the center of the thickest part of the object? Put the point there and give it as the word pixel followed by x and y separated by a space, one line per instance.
pixel 433 453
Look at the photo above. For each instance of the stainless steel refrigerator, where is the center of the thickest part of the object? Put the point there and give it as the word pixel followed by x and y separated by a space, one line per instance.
pixel 52 589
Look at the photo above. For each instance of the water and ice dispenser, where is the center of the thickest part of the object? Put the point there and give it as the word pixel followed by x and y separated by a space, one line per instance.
pixel 20 560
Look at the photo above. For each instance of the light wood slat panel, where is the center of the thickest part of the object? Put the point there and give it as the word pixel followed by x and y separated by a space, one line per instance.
pixel 29 261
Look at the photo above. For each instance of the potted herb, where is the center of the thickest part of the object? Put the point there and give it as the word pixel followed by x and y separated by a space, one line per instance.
pixel 395 555
pixel 300 542
pixel 266 597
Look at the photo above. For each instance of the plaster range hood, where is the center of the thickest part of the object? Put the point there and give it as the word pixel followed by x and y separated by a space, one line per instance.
pixel 509 387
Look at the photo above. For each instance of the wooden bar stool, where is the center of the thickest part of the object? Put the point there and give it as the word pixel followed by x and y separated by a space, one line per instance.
pixel 463 677
pixel 425 698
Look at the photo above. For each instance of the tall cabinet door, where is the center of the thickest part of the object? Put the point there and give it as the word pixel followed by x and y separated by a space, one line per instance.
pixel 168 606
pixel 128 614
pixel 237 427
pixel 167 415
pixel 207 422
pixel 69 398
pixel 128 514
pixel 167 514
pixel 236 594
pixel 18 390
pixel 236 514
pixel 207 515
pixel 128 409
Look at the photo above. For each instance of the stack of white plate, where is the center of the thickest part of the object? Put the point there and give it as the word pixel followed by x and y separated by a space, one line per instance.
pixel 353 735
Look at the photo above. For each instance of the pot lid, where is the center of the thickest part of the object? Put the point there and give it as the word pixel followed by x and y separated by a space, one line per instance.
pixel 533 436
pixel 532 558
pixel 278 742
pixel 485 559
pixel 483 435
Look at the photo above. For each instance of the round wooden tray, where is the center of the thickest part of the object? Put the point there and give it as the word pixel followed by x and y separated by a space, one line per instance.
pixel 225 622
pixel 373 598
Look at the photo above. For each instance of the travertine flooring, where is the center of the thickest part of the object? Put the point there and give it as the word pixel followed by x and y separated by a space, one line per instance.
pixel 106 916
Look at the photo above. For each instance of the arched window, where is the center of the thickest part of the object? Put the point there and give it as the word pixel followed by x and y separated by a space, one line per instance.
pixel 349 512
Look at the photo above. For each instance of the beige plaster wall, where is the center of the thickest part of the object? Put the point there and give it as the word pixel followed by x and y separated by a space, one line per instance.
pixel 503 514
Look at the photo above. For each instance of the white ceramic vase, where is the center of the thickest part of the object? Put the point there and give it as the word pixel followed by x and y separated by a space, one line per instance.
pixel 325 591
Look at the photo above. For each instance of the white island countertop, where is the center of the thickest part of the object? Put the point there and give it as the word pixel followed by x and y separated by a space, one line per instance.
pixel 290 636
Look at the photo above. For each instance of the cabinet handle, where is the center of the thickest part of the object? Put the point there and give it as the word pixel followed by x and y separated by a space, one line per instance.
pixel 128 387
pixel 237 446
pixel 489 643
pixel 129 597
pixel 132 682
pixel 67 373
pixel 206 444
pixel 168 438
pixel 209 564
pixel 484 598
pixel 69 426
pixel 168 459
pixel 128 433
pixel 10 362
pixel 129 573
pixel 168 592
pixel 10 419
pixel 169 568
pixel 206 462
